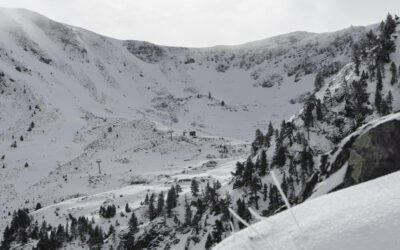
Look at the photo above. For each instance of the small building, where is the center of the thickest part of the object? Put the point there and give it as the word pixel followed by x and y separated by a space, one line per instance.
pixel 192 133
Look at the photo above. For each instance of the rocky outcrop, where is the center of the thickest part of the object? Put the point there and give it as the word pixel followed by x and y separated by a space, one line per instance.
pixel 374 154
pixel 370 155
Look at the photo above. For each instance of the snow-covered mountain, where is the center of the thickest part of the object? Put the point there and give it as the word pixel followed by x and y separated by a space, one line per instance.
pixel 89 121
pixel 74 84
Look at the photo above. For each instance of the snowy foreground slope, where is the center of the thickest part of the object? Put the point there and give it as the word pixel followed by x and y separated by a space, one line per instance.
pixel 365 216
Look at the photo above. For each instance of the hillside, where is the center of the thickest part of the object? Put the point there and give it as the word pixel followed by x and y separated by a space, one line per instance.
pixel 73 84
pixel 343 136
pixel 71 98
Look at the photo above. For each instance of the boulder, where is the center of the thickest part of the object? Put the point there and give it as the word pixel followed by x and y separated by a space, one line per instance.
pixel 370 155
pixel 374 154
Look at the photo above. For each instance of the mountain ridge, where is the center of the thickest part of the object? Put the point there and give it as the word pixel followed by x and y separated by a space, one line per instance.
pixel 34 14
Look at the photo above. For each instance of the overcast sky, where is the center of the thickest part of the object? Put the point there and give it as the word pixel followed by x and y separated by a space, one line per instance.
pixel 199 23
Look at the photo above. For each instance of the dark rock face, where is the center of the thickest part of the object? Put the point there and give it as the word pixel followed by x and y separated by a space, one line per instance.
pixel 371 155
pixel 374 154
pixel 145 51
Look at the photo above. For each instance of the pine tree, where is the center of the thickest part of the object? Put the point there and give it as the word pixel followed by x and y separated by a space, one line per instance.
pixel 289 130
pixel 238 174
pixel 293 170
pixel 306 161
pixel 319 81
pixel 217 185
pixel 384 107
pixel 239 169
pixel 386 104
pixel 263 164
pixel 390 25
pixel 393 69
pixel 160 203
pixel 242 211
pixel 379 78
pixel 188 213
pixel 255 187
pixel 282 133
pixel 280 156
pixel 60 234
pixel 218 230
pixel 152 211
pixel 284 185
pixel 127 208
pixel 22 236
pixel 307 116
pixel 18 229
pixel 38 206
pixel 359 99
pixel 108 211
pixel 35 231
pixel 387 45
pixel 146 200
pixel 248 173
pixel 209 242
pixel 270 130
pixel 111 230
pixel 389 101
pixel 267 141
pixel 319 110
pixel 127 241
pixel 194 187
pixel 73 230
pixel 274 198
pixel 265 192
pixel 207 193
pixel 258 141
pixel 171 201
pixel 378 99
pixel 7 238
pixel 133 224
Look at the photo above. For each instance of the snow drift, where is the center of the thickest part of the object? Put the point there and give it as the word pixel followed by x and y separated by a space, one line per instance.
pixel 365 216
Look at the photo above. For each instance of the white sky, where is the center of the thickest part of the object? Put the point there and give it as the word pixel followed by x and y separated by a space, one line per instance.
pixel 199 23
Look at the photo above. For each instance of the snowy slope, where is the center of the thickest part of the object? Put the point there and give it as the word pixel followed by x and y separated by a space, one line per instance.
pixel 92 97
pixel 74 84
pixel 364 216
